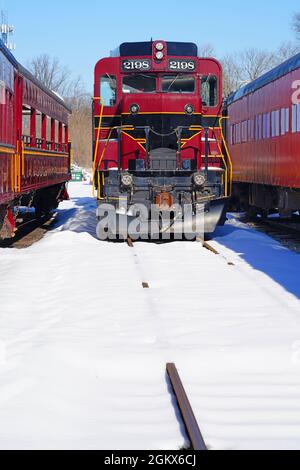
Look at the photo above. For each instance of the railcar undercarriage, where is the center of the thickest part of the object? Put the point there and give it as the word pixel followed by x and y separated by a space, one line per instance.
pixel 43 201
pixel 264 199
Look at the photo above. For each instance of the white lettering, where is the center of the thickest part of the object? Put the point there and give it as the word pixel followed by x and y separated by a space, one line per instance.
pixel 296 94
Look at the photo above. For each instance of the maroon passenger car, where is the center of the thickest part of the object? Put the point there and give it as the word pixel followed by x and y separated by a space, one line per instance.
pixel 34 148
pixel 158 136
pixel 264 141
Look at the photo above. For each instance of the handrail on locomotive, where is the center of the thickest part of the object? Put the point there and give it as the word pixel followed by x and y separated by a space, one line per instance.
pixel 178 131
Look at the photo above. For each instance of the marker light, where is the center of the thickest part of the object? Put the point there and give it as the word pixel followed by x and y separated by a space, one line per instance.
pixel 159 55
pixel 127 180
pixel 134 109
pixel 199 180
pixel 159 46
pixel 189 109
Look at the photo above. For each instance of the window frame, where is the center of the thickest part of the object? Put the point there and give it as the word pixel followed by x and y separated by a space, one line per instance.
pixel 217 90
pixel 113 77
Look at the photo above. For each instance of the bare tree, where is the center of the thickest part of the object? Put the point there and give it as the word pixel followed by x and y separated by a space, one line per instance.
pixel 254 63
pixel 76 95
pixel 206 50
pixel 50 72
pixel 296 24
pixel 232 75
pixel 81 134
pixel 244 67
pixel 58 79
pixel 286 51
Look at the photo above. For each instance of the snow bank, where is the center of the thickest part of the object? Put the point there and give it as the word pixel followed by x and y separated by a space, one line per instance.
pixel 83 347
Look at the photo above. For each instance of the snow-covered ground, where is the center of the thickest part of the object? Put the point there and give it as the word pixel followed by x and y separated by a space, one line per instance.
pixel 83 348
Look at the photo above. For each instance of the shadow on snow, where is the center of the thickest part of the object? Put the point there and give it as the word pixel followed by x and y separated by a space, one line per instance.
pixel 264 254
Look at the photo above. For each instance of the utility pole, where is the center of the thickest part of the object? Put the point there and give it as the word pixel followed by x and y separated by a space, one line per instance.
pixel 6 31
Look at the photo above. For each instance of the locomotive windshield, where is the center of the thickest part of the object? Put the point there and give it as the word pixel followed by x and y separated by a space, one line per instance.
pixel 178 84
pixel 139 84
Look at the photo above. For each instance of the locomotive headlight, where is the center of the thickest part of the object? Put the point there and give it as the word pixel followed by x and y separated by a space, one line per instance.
pixel 134 109
pixel 159 55
pixel 189 109
pixel 199 180
pixel 159 46
pixel 127 180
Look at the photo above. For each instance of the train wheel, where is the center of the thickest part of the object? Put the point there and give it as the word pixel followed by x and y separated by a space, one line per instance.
pixel 46 201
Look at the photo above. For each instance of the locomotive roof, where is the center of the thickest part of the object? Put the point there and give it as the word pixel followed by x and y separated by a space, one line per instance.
pixel 176 49
pixel 280 71
pixel 31 77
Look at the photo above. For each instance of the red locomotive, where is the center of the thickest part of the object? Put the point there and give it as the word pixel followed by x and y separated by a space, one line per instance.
pixel 264 141
pixel 158 137
pixel 34 149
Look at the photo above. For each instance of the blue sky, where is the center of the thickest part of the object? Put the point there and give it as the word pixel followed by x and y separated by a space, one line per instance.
pixel 80 33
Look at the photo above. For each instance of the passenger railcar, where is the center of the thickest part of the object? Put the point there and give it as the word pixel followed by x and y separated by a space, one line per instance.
pixel 34 148
pixel 264 141
pixel 158 138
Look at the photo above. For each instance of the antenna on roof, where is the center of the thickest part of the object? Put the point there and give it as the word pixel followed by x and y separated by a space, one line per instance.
pixel 6 31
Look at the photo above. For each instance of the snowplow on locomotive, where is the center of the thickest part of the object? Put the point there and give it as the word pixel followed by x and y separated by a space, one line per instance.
pixel 34 147
pixel 159 149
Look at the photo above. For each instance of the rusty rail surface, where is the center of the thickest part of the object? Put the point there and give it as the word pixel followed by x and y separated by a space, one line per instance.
pixel 186 411
pixel 129 242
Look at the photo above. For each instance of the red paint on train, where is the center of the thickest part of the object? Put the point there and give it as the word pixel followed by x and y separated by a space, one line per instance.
pixel 34 147
pixel 264 139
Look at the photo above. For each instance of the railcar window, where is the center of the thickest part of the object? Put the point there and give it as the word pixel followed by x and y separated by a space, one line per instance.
pixel 285 121
pixel 108 90
pixel 275 119
pixel 296 118
pixel 178 84
pixel 209 91
pixel 139 84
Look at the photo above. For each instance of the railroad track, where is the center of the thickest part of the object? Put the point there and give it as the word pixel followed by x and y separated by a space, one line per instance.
pixel 29 231
pixel 285 231
pixel 189 421
pixel 184 406
pixel 205 245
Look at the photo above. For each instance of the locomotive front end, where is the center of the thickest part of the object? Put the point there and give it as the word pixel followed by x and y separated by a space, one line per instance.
pixel 161 166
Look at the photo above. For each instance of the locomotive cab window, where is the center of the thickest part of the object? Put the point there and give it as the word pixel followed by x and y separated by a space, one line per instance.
pixel 209 90
pixel 139 84
pixel 108 90
pixel 178 84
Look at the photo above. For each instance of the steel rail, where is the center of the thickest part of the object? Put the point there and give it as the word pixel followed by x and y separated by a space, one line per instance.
pixel 129 242
pixel 27 229
pixel 190 422
pixel 280 230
